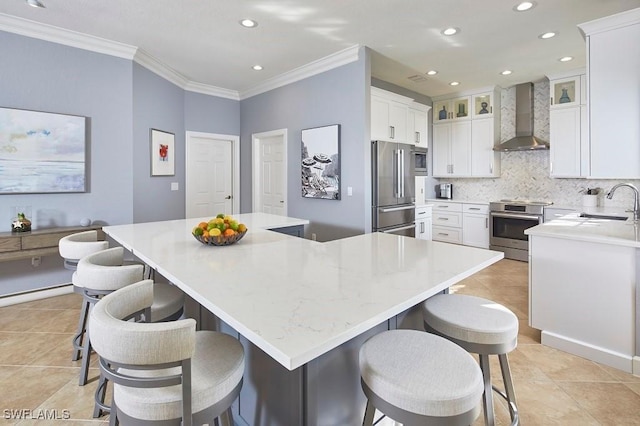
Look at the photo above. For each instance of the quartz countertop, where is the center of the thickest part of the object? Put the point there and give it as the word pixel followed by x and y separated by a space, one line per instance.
pixel 459 201
pixel 294 298
pixel 606 231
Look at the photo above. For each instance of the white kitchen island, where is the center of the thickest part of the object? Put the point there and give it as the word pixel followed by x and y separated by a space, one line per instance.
pixel 583 288
pixel 301 308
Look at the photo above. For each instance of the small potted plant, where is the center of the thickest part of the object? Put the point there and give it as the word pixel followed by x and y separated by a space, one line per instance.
pixel 21 223
pixel 590 197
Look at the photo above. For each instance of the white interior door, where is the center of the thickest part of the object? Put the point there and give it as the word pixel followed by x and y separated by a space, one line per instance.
pixel 211 175
pixel 270 172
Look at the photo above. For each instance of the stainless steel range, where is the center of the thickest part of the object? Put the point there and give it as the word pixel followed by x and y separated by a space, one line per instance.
pixel 509 220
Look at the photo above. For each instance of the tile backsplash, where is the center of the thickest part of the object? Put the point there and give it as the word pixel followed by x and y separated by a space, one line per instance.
pixel 525 174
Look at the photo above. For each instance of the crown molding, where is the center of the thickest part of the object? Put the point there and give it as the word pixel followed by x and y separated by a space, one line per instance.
pixel 152 64
pixel 206 89
pixel 327 63
pixel 59 35
pixel 612 22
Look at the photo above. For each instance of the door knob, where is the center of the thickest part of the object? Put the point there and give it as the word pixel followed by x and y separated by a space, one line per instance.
pixel 282 201
pixel 228 197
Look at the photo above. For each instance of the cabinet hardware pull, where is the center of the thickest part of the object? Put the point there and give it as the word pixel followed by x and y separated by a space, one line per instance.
pixel 422 227
pixel 486 222
pixel 442 233
pixel 422 213
pixel 491 168
pixel 474 208
pixel 417 137
pixel 443 218
pixel 443 207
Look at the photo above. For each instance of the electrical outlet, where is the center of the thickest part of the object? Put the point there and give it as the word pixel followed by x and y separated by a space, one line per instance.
pixel 35 261
pixel 313 236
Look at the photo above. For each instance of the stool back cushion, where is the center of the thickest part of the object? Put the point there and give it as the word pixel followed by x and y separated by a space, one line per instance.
pixel 78 245
pixel 105 271
pixel 134 343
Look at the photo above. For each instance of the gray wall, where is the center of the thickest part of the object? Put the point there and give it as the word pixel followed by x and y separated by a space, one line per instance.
pixel 123 101
pixel 44 76
pixel 338 96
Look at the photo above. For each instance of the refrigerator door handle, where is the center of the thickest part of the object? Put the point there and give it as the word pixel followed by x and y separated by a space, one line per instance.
pixel 396 209
pixel 398 170
pixel 388 231
pixel 401 172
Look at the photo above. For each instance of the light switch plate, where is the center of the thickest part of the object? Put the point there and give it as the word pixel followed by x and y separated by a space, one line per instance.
pixel 174 186
pixel 349 191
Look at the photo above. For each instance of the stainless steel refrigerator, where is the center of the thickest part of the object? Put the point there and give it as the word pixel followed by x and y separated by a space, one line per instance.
pixel 393 185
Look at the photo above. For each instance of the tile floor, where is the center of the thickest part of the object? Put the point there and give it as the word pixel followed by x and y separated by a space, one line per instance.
pixel 553 387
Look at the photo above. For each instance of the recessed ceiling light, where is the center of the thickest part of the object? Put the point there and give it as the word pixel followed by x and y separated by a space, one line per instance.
pixel 506 72
pixel 249 23
pixel 257 67
pixel 547 35
pixel 450 31
pixel 432 72
pixel 35 3
pixel 454 83
pixel 566 59
pixel 524 6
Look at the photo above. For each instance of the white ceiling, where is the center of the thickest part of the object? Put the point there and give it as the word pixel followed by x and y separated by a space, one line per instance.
pixel 203 41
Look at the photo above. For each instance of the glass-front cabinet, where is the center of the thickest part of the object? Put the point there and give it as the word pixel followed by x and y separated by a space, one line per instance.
pixel 482 105
pixel 565 92
pixel 452 109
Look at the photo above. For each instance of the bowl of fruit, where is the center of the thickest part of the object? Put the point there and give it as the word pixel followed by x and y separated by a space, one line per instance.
pixel 222 230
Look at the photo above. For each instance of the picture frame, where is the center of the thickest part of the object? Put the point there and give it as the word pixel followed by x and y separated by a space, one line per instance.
pixel 42 152
pixel 320 162
pixel 163 156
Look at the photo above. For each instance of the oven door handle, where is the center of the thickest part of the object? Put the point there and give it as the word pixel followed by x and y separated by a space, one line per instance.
pixel 388 231
pixel 516 216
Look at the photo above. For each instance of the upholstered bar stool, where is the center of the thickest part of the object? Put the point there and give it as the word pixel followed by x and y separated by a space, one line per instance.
pixel 480 326
pixel 417 378
pixel 74 247
pixel 103 272
pixel 163 373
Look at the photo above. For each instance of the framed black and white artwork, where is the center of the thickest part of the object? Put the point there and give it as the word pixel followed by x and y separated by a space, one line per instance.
pixel 321 162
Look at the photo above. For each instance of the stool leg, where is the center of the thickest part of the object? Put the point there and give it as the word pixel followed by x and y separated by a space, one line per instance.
pixel 82 324
pixel 487 397
pixel 369 413
pixel 508 383
pixel 86 355
pixel 99 407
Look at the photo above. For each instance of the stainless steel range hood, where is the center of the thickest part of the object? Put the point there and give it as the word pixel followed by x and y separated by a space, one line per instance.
pixel 524 140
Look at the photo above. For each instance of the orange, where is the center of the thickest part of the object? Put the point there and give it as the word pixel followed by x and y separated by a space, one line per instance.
pixel 229 232
pixel 203 225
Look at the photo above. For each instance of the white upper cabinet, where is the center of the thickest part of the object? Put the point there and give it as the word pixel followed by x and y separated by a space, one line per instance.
pixel 568 126
pixel 389 116
pixel 463 140
pixel 613 71
pixel 417 124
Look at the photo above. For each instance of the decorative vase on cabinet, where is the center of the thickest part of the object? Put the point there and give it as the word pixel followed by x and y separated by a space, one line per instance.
pixel 442 115
pixel 565 97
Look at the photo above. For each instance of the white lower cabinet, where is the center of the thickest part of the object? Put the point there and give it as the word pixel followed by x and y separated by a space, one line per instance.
pixel 475 225
pixel 461 223
pixel 423 222
pixel 447 222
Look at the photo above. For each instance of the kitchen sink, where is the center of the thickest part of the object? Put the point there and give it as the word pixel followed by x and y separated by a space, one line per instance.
pixel 602 216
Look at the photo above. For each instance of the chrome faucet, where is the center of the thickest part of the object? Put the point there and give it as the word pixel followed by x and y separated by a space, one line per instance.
pixel 636 196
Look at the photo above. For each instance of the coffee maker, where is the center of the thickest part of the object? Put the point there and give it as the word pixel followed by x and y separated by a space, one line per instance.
pixel 444 191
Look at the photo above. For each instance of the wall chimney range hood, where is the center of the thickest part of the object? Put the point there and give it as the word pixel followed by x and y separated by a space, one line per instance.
pixel 524 140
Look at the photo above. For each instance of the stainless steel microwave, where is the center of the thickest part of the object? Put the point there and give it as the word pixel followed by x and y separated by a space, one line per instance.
pixel 419 158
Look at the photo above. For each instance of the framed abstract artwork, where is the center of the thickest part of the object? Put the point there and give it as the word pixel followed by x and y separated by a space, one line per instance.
pixel 163 157
pixel 321 162
pixel 42 152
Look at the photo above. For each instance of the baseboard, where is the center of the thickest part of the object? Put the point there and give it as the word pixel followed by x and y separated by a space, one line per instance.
pixel 636 366
pixel 604 356
pixel 14 299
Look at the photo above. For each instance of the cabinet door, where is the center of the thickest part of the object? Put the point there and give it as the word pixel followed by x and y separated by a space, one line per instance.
pixel 398 121
pixel 417 128
pixel 475 230
pixel 482 105
pixel 441 149
pixel 614 108
pixel 461 148
pixel 483 158
pixel 380 119
pixel 564 132
pixel 423 229
pixel 565 92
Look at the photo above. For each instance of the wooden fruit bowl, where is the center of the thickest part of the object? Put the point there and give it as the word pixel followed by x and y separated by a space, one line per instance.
pixel 220 240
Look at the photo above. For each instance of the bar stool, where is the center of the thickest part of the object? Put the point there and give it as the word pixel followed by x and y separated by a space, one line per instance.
pixel 417 378
pixel 74 247
pixel 103 272
pixel 479 326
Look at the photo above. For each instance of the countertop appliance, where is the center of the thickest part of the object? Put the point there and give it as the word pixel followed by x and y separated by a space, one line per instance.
pixel 508 221
pixel 444 191
pixel 393 197
pixel 419 156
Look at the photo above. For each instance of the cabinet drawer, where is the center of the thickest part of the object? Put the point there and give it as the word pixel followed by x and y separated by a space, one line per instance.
pixel 447 235
pixel 423 212
pixel 476 208
pixel 445 206
pixel 9 244
pixel 447 219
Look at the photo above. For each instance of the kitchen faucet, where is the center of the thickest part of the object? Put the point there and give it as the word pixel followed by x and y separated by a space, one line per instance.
pixel 636 195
